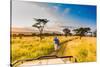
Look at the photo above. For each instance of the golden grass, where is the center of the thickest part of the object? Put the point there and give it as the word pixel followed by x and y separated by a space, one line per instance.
pixel 84 50
pixel 31 47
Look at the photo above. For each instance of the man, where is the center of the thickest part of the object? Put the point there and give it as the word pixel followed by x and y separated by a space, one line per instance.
pixel 56 43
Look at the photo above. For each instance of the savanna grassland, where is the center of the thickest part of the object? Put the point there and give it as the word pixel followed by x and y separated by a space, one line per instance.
pixel 84 49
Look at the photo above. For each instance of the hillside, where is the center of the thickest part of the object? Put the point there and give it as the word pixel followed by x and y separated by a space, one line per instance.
pixel 16 30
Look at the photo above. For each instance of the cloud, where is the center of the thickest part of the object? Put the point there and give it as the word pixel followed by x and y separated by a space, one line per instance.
pixel 66 11
pixel 24 12
pixel 56 8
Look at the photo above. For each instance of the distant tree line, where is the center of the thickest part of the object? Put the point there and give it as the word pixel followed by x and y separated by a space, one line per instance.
pixel 67 32
pixel 82 31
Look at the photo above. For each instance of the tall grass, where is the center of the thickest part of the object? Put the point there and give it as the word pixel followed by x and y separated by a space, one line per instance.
pixel 30 47
pixel 84 50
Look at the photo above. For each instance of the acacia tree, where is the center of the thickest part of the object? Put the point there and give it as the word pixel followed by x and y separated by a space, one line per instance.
pixel 82 31
pixel 66 31
pixel 40 25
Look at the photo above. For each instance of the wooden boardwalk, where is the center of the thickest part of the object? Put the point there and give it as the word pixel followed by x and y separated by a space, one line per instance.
pixel 49 59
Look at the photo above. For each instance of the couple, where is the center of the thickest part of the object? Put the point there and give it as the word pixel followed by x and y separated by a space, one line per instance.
pixel 56 43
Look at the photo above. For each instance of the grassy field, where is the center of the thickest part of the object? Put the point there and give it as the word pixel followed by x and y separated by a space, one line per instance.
pixel 83 49
pixel 31 47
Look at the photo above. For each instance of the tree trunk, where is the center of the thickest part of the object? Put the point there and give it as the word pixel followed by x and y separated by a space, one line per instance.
pixel 80 37
pixel 41 34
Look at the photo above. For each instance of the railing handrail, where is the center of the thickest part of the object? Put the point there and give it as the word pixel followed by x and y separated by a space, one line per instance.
pixel 40 58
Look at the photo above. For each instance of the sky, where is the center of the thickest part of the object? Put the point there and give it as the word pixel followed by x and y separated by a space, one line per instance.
pixel 59 15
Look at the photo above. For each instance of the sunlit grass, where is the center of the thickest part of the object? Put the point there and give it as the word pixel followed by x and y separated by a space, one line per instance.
pixel 30 47
pixel 84 50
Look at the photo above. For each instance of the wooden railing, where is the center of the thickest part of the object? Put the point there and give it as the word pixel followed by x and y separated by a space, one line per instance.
pixel 41 58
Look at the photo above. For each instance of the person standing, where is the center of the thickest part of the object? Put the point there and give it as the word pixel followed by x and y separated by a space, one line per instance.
pixel 56 43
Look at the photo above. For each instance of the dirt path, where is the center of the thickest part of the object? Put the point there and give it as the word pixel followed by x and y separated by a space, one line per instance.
pixel 62 46
pixel 50 61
